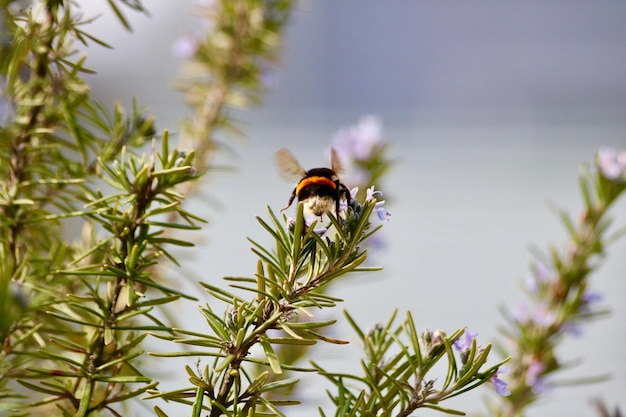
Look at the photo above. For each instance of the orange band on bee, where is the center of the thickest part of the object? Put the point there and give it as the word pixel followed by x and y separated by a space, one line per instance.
pixel 315 180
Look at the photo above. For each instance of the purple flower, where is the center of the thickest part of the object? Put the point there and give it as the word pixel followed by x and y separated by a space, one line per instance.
pixel 541 386
pixel 382 212
pixel 541 274
pixel 531 283
pixel 267 74
pixel 310 218
pixel 587 299
pixel 356 145
pixel 612 165
pixel 540 316
pixel 376 242
pixel 185 46
pixel 575 329
pixel 359 141
pixel 534 378
pixel 591 297
pixel 370 193
pixel 520 314
pixel 534 371
pixel 321 231
pixel 464 342
pixel 355 175
pixel 501 387
pixel 343 204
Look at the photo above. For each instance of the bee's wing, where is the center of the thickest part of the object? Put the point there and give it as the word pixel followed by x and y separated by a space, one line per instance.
pixel 335 162
pixel 290 168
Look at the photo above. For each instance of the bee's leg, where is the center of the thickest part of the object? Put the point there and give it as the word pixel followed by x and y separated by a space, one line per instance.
pixel 293 196
pixel 342 189
pixel 341 219
pixel 348 197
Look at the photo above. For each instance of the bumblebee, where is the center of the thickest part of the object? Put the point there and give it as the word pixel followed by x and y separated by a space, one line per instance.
pixel 319 189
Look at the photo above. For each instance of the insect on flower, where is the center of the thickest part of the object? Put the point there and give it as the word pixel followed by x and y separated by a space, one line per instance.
pixel 319 189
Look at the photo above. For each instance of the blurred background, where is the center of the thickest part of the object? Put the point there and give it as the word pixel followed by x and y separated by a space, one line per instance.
pixel 490 108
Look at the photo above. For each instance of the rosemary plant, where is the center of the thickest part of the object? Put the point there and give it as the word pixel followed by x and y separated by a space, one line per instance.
pixel 74 316
pixel 561 298
pixel 226 61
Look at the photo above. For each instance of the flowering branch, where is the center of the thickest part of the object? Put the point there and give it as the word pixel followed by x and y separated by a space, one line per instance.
pixel 559 288
pixel 363 151
pixel 396 368
pixel 226 61
pixel 286 285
